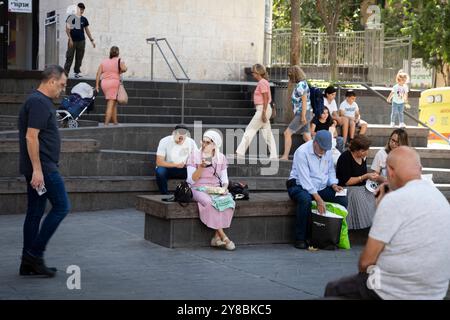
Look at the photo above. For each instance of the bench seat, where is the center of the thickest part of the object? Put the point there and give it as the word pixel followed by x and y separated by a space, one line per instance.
pixel 266 218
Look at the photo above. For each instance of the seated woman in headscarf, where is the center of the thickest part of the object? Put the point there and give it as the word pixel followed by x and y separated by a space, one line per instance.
pixel 207 175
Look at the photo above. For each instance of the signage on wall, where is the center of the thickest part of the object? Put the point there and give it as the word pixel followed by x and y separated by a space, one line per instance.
pixel 20 6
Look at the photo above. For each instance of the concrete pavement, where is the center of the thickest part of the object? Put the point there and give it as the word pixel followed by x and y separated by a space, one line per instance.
pixel 117 263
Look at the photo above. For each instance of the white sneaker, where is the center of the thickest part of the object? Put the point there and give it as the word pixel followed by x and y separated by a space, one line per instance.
pixel 78 75
pixel 402 125
pixel 392 124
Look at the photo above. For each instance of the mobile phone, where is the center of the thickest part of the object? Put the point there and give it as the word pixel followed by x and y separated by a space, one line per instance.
pixel 41 190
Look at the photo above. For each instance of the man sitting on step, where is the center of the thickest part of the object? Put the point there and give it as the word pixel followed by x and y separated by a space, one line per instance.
pixel 312 177
pixel 171 157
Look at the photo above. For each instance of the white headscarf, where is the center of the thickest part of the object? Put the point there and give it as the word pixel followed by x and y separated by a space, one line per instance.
pixel 215 137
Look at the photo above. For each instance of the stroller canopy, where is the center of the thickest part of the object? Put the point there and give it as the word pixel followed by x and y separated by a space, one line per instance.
pixel 84 90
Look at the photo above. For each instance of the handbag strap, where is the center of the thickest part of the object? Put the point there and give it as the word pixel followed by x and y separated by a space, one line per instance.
pixel 217 176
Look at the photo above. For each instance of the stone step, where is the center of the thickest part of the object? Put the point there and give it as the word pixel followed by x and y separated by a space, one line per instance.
pixel 11 145
pixel 136 137
pixel 170 119
pixel 176 111
pixel 176 86
pixel 129 163
pixel 105 193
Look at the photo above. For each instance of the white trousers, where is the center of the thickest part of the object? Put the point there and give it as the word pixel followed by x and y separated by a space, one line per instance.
pixel 252 128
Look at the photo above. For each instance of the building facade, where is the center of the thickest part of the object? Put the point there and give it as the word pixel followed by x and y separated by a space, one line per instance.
pixel 213 40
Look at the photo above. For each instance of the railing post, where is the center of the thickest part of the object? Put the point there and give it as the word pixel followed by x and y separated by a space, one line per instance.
pixel 151 65
pixel 182 102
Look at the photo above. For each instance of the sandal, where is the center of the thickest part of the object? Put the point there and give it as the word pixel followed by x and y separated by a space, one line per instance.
pixel 229 245
pixel 217 242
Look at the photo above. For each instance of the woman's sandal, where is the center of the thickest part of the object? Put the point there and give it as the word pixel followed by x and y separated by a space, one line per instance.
pixel 217 242
pixel 229 245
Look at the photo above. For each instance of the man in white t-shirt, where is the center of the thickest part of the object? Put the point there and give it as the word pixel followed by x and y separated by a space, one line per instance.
pixel 171 157
pixel 407 252
pixel 349 109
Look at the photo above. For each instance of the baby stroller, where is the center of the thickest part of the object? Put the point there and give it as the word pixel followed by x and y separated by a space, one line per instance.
pixel 72 107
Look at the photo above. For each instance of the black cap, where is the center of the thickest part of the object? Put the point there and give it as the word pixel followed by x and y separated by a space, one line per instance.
pixel 181 126
pixel 81 5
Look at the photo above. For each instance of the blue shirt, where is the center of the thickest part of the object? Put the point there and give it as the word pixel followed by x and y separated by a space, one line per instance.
pixel 312 172
pixel 39 112
pixel 300 90
pixel 77 25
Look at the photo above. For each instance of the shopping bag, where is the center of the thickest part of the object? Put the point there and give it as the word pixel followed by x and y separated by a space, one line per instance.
pixel 339 210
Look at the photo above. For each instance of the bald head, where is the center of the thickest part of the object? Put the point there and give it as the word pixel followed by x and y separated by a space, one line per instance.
pixel 403 166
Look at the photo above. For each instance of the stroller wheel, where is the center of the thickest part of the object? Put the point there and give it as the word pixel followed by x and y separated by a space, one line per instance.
pixel 73 123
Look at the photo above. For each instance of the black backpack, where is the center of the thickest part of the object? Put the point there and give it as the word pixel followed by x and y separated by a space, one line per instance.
pixel 183 193
pixel 239 190
pixel 316 97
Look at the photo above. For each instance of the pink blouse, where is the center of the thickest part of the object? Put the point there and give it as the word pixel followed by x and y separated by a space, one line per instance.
pixel 262 87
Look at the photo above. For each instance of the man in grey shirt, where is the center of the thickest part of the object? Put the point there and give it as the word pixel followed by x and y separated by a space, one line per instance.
pixel 407 253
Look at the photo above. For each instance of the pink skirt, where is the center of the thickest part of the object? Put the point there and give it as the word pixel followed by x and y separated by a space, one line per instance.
pixel 110 88
pixel 209 215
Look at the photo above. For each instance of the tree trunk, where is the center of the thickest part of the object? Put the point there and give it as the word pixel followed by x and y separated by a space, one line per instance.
pixel 329 12
pixel 295 32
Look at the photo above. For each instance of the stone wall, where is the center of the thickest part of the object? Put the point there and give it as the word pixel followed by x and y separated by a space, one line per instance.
pixel 214 40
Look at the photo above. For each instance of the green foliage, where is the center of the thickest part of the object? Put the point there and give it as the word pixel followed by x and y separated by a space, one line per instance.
pixel 309 17
pixel 427 22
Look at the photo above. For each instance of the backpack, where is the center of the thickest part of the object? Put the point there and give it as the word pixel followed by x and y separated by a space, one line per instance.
pixel 239 190
pixel 183 193
pixel 316 97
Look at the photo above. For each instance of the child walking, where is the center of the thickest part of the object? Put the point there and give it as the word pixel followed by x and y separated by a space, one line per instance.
pixel 399 96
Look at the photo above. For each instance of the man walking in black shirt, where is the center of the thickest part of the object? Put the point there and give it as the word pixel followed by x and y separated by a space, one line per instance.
pixel 75 27
pixel 40 146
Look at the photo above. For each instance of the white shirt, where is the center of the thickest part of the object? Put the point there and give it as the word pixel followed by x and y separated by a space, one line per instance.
pixel 332 107
pixel 379 162
pixel 173 152
pixel 414 224
pixel 349 110
pixel 399 93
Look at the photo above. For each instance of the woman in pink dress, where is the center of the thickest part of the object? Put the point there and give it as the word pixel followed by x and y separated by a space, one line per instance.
pixel 109 72
pixel 207 168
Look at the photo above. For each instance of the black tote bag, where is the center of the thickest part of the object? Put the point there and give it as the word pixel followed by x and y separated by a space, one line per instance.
pixel 325 231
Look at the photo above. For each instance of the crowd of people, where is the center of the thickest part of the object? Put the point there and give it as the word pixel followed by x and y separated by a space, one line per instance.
pixel 408 217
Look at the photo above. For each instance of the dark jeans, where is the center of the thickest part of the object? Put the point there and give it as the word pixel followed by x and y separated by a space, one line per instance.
pixel 352 287
pixel 34 239
pixel 303 212
pixel 163 174
pixel 77 50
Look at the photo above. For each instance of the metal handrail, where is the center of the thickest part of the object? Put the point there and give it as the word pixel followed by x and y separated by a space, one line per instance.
pixel 379 95
pixel 154 41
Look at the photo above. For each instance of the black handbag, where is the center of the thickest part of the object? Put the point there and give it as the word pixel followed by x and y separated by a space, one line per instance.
pixel 325 231
pixel 183 194
pixel 238 190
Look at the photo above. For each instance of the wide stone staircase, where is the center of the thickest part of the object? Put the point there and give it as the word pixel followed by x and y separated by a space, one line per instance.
pixel 107 167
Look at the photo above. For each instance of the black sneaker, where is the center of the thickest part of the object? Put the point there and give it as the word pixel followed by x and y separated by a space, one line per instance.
pixel 35 266
pixel 300 244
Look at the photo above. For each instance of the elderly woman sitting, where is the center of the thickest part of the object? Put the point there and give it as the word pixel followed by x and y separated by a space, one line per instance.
pixel 351 171
pixel 207 175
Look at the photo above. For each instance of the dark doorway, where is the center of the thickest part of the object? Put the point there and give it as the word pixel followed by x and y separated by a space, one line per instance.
pixel 19 38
